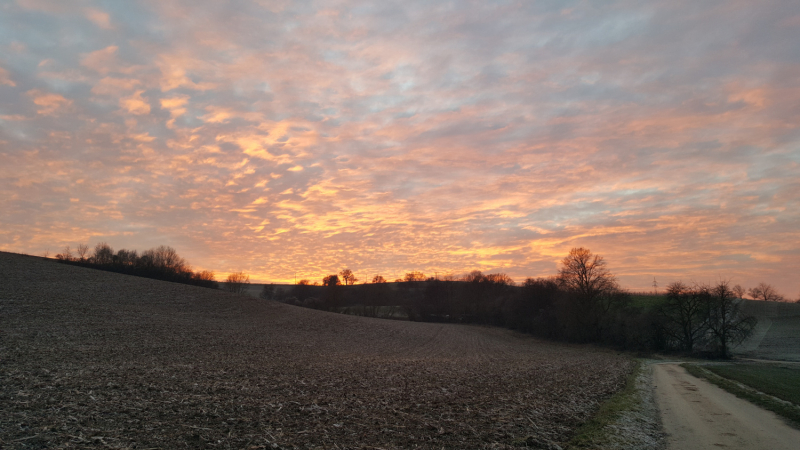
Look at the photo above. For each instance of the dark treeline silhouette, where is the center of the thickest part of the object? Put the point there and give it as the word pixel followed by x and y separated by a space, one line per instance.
pixel 583 303
pixel 161 263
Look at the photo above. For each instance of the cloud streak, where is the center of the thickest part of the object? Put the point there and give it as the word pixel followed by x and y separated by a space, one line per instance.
pixel 305 137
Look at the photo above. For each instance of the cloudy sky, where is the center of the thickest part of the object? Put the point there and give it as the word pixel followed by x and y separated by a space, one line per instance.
pixel 283 137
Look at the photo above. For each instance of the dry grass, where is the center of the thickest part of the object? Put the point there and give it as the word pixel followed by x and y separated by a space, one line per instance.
pixel 92 359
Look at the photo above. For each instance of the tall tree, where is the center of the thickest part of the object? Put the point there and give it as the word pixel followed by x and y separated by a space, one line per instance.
pixel 725 319
pixel 378 279
pixel 593 289
pixel 348 277
pixel 685 313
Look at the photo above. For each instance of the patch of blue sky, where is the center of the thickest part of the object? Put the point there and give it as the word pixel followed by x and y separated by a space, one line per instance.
pixel 609 30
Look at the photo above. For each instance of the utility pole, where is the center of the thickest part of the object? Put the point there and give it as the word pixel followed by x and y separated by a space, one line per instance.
pixel 655 286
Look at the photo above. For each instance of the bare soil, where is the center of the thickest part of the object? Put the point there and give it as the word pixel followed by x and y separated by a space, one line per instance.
pixel 92 359
pixel 698 415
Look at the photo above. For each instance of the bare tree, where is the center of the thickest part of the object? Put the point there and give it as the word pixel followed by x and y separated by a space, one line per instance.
pixel 83 250
pixel 500 278
pixel 205 275
pixel 586 274
pixel 475 276
pixel 165 257
pixel 126 257
pixel 331 280
pixel 738 291
pixel 348 277
pixel 765 292
pixel 593 289
pixel 725 320
pixel 414 276
pixel 103 254
pixel 65 255
pixel 237 282
pixel 378 279
pixel 685 313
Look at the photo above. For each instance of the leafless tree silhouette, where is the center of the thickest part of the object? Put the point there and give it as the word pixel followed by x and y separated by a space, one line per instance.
pixel 237 282
pixel 765 292
pixel 103 254
pixel 593 289
pixel 348 277
pixel 65 255
pixel 414 276
pixel 725 320
pixel 685 315
pixel 83 250
pixel 331 280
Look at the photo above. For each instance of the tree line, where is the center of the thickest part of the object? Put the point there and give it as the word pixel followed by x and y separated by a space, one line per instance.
pixel 582 303
pixel 161 263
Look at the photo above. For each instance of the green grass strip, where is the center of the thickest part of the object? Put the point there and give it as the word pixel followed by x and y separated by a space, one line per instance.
pixel 774 380
pixel 594 434
pixel 788 411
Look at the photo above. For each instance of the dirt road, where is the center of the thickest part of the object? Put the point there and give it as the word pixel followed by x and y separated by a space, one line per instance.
pixel 699 415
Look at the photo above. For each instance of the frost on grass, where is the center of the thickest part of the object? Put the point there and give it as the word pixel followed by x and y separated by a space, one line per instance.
pixel 639 428
pixel 96 359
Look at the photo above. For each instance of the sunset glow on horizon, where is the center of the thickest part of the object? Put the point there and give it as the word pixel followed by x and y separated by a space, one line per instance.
pixel 295 139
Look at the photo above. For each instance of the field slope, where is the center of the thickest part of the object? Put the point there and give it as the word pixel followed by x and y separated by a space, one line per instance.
pixel 97 359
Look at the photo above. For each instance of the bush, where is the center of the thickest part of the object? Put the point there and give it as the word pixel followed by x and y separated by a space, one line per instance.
pixel 237 282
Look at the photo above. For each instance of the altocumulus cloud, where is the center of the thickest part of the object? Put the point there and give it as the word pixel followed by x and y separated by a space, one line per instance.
pixel 283 137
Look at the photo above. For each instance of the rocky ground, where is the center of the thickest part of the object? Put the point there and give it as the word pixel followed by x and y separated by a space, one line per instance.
pixel 91 359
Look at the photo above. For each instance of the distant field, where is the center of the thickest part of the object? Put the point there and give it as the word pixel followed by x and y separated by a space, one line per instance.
pixel 647 301
pixel 97 359
pixel 779 381
pixel 777 334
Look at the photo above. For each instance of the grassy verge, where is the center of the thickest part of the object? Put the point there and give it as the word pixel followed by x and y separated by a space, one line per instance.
pixel 751 394
pixel 777 381
pixel 593 434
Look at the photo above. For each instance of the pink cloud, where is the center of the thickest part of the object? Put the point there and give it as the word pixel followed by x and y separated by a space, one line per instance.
pixel 102 61
pixel 135 104
pixel 5 78
pixel 99 18
pixel 48 103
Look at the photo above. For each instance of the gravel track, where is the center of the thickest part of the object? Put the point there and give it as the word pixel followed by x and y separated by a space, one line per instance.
pixel 699 415
pixel 92 359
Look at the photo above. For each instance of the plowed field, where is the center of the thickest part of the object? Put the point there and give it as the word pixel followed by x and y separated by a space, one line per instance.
pixel 92 359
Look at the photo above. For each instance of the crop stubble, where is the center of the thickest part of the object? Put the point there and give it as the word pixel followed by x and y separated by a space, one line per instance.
pixel 96 359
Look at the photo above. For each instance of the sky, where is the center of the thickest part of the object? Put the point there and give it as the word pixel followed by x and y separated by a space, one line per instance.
pixel 296 138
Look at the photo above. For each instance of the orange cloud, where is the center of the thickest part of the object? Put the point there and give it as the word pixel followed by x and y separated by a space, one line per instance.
pixel 135 104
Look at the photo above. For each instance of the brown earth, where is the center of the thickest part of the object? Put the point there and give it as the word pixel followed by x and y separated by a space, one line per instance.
pixel 91 359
